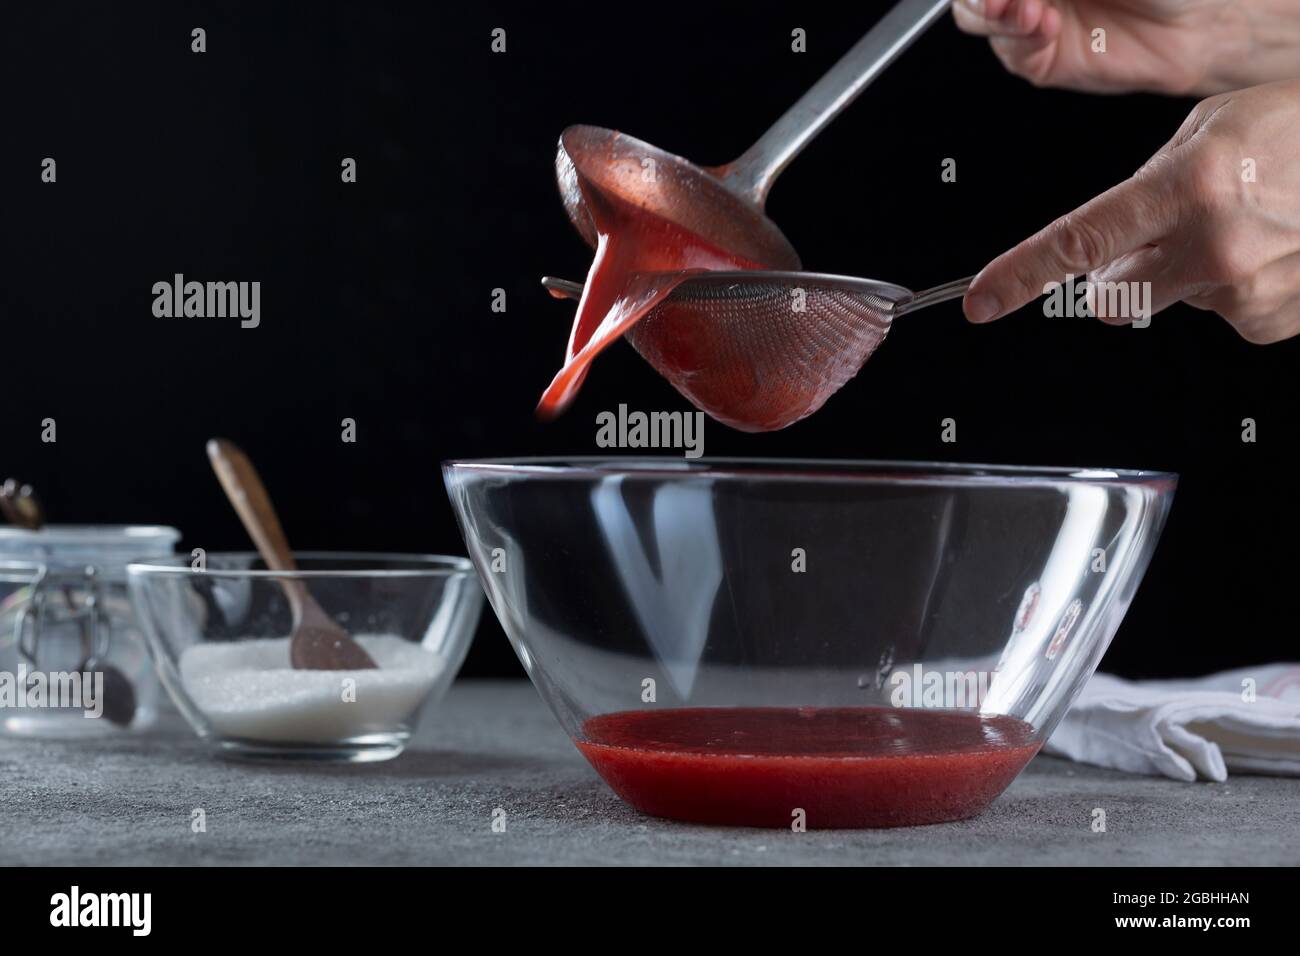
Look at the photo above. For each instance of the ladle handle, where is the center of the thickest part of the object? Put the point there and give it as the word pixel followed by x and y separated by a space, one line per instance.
pixel 940 293
pixel 753 173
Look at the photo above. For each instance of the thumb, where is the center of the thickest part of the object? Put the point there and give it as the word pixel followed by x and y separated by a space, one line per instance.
pixel 1136 212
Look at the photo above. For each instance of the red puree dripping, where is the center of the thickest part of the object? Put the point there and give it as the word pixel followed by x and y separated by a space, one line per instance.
pixel 640 258
pixel 845 766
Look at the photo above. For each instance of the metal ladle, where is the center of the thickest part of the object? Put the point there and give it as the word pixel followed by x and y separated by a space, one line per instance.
pixel 734 345
pixel 724 204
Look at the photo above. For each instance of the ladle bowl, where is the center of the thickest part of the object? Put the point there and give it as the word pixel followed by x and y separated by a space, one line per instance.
pixel 593 164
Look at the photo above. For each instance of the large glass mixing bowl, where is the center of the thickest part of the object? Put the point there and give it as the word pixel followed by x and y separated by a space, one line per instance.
pixel 816 643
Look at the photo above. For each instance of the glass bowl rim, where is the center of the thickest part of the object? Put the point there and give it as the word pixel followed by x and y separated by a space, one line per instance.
pixel 422 566
pixel 883 471
pixel 91 534
pixel 21 572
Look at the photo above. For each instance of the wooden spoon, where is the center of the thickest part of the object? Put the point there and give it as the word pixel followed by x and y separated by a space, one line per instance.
pixel 317 643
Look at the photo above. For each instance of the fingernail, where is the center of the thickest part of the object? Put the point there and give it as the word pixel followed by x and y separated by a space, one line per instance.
pixel 976 5
pixel 982 307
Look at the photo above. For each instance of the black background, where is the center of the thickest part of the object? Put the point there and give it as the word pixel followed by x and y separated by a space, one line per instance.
pixel 376 296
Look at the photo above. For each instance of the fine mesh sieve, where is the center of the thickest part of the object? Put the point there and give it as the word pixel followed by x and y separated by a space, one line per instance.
pixel 759 350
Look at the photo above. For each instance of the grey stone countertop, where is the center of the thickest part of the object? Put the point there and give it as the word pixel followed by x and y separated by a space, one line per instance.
pixel 494 745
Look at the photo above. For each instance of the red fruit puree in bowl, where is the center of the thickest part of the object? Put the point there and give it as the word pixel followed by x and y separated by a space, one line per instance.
pixel 844 766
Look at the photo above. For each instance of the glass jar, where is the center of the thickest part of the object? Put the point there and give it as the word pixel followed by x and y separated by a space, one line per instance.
pixel 72 659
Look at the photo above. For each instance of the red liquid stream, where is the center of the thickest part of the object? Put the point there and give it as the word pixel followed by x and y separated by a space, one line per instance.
pixel 844 766
pixel 640 258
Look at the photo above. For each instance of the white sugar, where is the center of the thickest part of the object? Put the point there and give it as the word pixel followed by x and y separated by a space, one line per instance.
pixel 247 689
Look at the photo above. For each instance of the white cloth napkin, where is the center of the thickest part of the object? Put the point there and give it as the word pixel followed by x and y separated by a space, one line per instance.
pixel 1246 721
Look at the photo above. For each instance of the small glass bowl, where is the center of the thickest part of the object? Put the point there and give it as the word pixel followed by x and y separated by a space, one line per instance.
pixel 219 635
pixel 842 643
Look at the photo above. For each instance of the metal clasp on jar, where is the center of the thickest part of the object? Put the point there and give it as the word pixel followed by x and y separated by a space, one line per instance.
pixel 47 612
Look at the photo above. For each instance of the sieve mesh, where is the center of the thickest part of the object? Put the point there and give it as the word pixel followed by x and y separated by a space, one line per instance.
pixel 762 353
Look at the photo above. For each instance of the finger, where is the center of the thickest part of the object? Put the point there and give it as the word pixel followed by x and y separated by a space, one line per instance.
pixel 1001 18
pixel 1137 285
pixel 970 18
pixel 1136 212
pixel 1051 25
pixel 1025 16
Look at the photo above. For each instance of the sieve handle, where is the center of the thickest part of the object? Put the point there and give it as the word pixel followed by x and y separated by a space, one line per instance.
pixel 753 173
pixel 940 293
